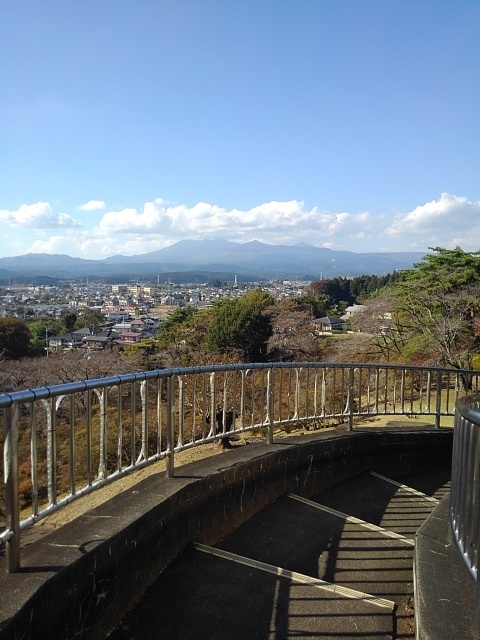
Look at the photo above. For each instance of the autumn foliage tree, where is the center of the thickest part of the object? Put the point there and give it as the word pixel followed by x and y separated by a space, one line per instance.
pixel 293 336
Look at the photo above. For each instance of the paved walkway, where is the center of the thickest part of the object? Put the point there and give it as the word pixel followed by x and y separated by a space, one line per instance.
pixel 296 570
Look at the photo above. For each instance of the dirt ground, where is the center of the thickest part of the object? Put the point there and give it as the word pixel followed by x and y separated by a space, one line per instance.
pixel 81 505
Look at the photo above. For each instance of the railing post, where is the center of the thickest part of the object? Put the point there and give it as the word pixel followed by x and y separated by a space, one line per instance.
pixel 51 451
pixel 270 408
pixel 170 429
pixel 102 462
pixel 438 406
pixel 476 613
pixel 350 398
pixel 144 396
pixel 10 453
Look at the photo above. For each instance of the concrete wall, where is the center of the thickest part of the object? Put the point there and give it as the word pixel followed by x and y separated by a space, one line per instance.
pixel 79 580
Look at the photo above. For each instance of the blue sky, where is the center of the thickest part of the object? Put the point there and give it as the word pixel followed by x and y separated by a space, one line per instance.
pixel 129 125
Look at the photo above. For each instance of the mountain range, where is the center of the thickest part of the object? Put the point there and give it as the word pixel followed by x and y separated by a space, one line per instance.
pixel 252 261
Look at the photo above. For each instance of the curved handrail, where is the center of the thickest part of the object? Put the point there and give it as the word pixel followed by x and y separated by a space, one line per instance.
pixel 465 487
pixel 131 420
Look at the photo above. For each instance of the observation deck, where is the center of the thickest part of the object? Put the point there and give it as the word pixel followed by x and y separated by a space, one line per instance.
pixel 237 545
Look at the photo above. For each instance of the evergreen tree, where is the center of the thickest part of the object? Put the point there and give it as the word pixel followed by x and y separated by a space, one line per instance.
pixel 242 325
pixel 440 299
pixel 14 338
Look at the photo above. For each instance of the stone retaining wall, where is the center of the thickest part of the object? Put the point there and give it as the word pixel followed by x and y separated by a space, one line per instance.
pixel 79 580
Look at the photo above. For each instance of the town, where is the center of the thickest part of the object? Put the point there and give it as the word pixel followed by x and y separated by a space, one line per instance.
pixel 122 313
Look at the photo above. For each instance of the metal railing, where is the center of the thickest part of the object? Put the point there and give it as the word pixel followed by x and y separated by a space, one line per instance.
pixel 64 441
pixel 465 489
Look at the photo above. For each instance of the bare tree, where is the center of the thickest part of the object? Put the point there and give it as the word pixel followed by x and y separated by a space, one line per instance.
pixel 293 337
pixel 382 333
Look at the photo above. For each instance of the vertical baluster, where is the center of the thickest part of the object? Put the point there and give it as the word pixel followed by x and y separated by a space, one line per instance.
pixel 159 416
pixel 193 435
pixel 394 399
pixel 429 390
pixel 254 372
pixel 204 407
pixel 270 419
pixel 89 438
pixel 438 402
pixel 402 391
pixel 288 394
pixel 72 445
pixel 224 402
pixel 181 410
pixel 324 392
pixel 12 502
pixel 360 390
pixel 447 394
pixel 385 392
pixel 143 455
pixel 297 393
pixel 369 379
pixel 307 384
pixel 133 423
pixel 52 452
pixel 34 457
pixel 412 391
pixel 242 400
pixel 280 397
pixel 334 391
pixel 213 405
pixel 170 429
pixel 119 427
pixel 234 404
pixel 350 398
pixel 102 464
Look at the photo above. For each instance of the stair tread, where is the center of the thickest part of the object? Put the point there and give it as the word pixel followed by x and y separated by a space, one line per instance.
pixel 241 602
pixel 377 501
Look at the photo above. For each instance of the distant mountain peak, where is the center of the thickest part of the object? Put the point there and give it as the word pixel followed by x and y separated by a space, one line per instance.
pixel 254 259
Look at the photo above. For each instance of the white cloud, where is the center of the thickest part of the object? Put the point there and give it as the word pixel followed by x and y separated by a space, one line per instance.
pixel 272 222
pixel 92 205
pixel 37 216
pixel 449 221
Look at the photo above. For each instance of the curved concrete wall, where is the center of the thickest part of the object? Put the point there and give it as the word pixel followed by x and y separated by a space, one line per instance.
pixel 79 580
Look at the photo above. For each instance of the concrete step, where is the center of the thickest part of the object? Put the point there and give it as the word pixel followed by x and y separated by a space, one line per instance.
pixel 201 595
pixel 324 568
pixel 301 538
pixel 381 501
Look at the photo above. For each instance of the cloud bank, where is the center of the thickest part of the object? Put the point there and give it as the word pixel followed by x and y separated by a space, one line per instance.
pixel 448 221
pixel 272 222
pixel 37 216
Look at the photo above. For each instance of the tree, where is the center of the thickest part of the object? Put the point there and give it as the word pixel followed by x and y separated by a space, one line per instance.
pixel 242 325
pixel 182 338
pixel 69 321
pixel 170 328
pixel 293 336
pixel 42 329
pixel 337 289
pixel 92 318
pixel 439 299
pixel 14 338
pixel 315 305
pixel 379 333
